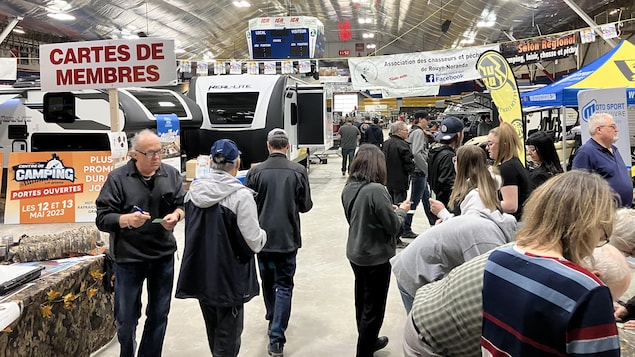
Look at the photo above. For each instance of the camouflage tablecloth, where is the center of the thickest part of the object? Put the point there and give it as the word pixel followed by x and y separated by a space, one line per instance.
pixel 67 313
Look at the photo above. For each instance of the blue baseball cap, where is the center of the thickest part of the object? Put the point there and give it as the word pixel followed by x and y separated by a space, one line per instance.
pixel 449 128
pixel 224 150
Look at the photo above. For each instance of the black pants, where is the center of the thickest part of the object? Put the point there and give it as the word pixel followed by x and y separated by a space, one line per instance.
pixel 371 291
pixel 224 327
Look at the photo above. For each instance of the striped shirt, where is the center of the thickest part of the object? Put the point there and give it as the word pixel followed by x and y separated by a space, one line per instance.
pixel 539 306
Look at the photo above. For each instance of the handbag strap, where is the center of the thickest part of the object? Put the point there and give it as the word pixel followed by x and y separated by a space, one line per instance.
pixel 350 207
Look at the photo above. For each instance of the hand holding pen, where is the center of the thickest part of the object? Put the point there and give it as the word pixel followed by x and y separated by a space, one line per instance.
pixel 137 218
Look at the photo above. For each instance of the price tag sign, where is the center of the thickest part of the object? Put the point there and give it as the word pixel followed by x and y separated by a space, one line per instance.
pixel 54 187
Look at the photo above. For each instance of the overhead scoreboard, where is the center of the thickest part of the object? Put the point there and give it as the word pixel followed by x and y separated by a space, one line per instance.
pixel 288 37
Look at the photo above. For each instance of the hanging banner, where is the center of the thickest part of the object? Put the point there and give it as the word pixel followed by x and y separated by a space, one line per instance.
pixel 501 82
pixel 54 187
pixel 540 49
pixel 252 67
pixel 287 67
pixel 412 70
pixel 235 68
pixel 304 66
pixel 270 67
pixel 219 68
pixel 202 68
pixel 169 132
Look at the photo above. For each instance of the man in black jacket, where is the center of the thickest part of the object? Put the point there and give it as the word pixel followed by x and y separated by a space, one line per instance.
pixel 282 192
pixel 440 158
pixel 132 196
pixel 399 165
pixel 371 132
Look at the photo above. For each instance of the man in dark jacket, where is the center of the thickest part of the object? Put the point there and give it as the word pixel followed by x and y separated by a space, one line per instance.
pixel 221 236
pixel 440 158
pixel 283 192
pixel 399 165
pixel 132 196
pixel 371 132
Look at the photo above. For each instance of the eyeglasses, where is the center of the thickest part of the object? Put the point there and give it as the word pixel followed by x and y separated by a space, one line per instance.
pixel 491 143
pixel 150 154
pixel 612 126
pixel 530 149
pixel 605 239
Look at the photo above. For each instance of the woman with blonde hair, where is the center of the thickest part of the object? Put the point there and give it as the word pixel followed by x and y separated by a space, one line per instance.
pixel 559 307
pixel 474 187
pixel 503 145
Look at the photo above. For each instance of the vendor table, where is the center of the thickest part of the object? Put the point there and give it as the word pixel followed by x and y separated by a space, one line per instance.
pixel 66 312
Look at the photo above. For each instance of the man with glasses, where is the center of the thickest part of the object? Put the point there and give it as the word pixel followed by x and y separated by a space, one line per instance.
pixel 139 205
pixel 399 164
pixel 599 155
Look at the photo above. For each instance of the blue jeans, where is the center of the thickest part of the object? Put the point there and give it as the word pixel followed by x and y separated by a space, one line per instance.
pixel 276 272
pixel 406 298
pixel 419 193
pixel 347 155
pixel 129 279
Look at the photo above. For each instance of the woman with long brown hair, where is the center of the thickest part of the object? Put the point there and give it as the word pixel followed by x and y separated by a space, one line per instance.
pixel 372 236
pixel 474 187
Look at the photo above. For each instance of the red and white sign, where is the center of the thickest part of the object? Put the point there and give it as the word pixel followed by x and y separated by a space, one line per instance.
pixel 107 64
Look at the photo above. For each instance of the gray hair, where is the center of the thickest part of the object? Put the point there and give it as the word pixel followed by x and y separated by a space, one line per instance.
pixel 225 166
pixel 597 120
pixel 623 237
pixel 134 142
pixel 613 268
pixel 396 126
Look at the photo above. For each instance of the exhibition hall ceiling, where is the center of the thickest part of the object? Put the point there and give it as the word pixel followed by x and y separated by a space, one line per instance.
pixel 206 29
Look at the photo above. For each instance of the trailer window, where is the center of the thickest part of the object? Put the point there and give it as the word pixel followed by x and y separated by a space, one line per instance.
pixel 160 102
pixel 232 108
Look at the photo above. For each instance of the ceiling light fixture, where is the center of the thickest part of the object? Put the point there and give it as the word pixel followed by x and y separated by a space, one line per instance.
pixel 61 16
pixel 241 3
pixel 371 46
pixel 368 35
pixel 179 50
pixel 19 30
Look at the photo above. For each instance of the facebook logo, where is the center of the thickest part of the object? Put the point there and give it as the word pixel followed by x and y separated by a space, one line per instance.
pixel 429 78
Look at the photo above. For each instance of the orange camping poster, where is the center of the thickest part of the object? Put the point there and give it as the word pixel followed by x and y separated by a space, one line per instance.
pixel 54 187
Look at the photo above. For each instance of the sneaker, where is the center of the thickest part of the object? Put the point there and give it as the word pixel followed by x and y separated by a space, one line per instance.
pixel 275 349
pixel 381 342
pixel 401 244
pixel 409 234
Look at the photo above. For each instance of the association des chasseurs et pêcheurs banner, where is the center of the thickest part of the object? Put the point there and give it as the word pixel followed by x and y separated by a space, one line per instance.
pixel 412 70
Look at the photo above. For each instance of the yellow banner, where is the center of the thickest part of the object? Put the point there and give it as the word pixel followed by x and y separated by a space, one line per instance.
pixel 499 79
pixel 54 187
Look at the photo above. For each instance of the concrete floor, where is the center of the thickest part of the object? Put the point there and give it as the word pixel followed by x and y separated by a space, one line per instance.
pixel 323 316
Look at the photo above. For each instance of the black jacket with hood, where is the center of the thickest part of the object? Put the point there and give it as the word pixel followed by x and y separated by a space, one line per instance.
pixel 441 171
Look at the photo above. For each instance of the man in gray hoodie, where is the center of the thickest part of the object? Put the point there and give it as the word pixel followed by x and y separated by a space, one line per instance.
pixel 445 246
pixel 221 236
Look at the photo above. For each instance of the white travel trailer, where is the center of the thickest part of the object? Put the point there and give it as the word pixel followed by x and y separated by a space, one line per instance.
pixel 32 120
pixel 245 108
